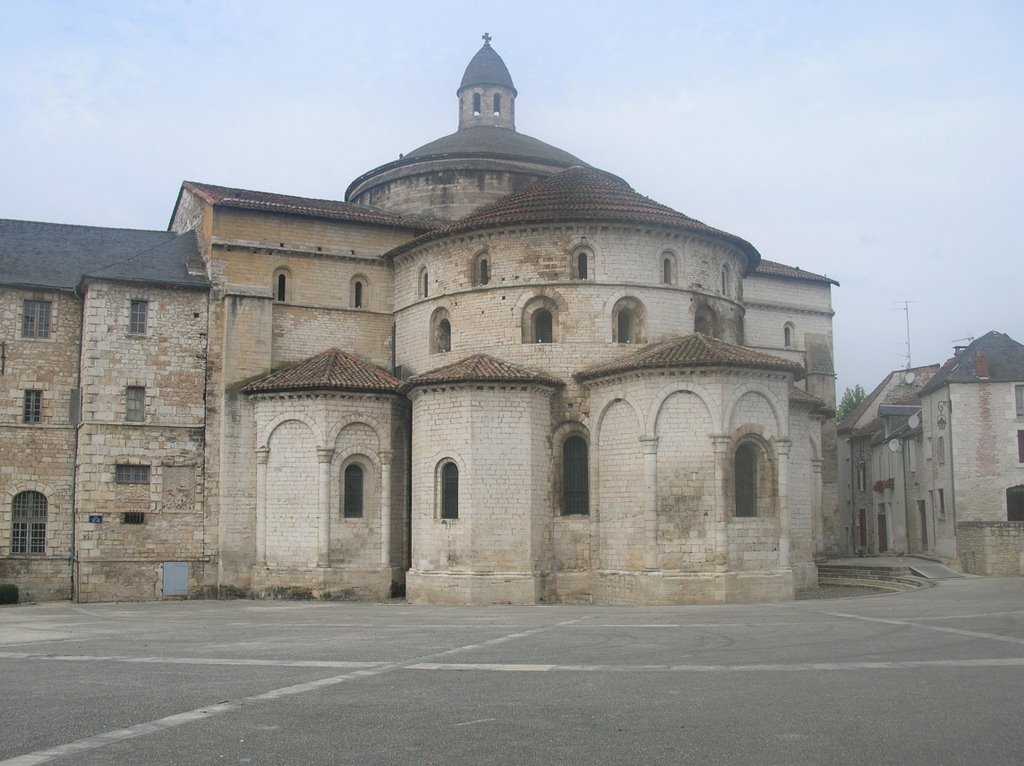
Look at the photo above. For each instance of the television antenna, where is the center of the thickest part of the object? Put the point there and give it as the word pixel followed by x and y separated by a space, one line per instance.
pixel 905 308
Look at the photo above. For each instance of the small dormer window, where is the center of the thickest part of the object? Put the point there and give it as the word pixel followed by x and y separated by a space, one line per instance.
pixel 497 104
pixel 476 104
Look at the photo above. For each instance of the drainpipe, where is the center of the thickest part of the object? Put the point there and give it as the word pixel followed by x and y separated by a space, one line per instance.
pixel 952 471
pixel 77 426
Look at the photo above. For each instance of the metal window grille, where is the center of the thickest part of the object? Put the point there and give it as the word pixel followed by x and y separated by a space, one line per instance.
pixel 353 507
pixel 35 319
pixel 138 316
pixel 450 491
pixel 133 517
pixel 575 477
pixel 135 404
pixel 33 409
pixel 131 474
pixel 28 523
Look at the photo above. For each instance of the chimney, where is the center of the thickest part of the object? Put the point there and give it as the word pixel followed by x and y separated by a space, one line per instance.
pixel 981 365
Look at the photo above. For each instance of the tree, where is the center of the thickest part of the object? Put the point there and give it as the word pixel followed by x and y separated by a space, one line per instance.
pixel 852 397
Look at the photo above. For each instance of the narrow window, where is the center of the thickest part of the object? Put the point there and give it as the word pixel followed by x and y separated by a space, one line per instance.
pixel 1020 446
pixel 911 455
pixel 581 265
pixel 35 319
pixel 353 508
pixel 575 477
pixel 787 335
pixel 426 284
pixel 450 491
pixel 485 272
pixel 28 523
pixel 135 404
pixel 726 280
pixel 1019 393
pixel 941 449
pixel 444 336
pixel 476 104
pixel 357 295
pixel 625 327
pixel 942 503
pixel 282 288
pixel 32 411
pixel 542 326
pixel 666 271
pixel 137 316
pixel 131 474
pixel 746 480
pixel 497 104
pixel 1015 503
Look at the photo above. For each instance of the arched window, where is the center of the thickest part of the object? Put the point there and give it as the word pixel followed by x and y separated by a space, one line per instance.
pixel 353 505
pixel 787 334
pixel 281 277
pixel 745 472
pixel 28 523
pixel 440 332
pixel 481 269
pixel 358 292
pixel 666 271
pixel 542 332
pixel 628 321
pixel 705 321
pixel 581 267
pixel 497 104
pixel 449 491
pixel 575 477
pixel 540 321
pixel 424 283
pixel 726 280
pixel 476 104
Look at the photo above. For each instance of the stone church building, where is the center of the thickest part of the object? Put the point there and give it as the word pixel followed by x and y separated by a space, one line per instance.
pixel 492 374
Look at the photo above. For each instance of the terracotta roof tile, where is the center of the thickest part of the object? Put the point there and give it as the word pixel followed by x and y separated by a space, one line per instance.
pixel 223 196
pixel 775 269
pixel 581 194
pixel 334 369
pixel 481 368
pixel 694 350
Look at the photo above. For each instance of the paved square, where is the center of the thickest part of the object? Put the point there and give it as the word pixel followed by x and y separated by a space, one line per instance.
pixel 925 677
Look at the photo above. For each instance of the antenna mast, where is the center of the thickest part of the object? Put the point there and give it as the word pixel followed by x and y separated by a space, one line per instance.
pixel 906 310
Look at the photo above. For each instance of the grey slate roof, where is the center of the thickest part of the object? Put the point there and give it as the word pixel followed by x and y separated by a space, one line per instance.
pixel 999 353
pixel 57 255
pixel 489 141
pixel 487 68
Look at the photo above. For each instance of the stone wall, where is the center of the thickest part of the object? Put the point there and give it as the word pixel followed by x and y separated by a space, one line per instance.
pixel 991 548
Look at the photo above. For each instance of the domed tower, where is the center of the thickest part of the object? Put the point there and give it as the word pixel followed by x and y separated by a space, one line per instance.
pixel 481 163
pixel 487 95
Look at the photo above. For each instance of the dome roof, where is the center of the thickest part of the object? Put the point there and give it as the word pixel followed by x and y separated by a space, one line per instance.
pixel 583 194
pixel 487 68
pixel 488 141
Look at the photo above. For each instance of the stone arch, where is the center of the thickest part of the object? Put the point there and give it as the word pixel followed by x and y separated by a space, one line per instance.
pixel 583 262
pixel 668 265
pixel 440 331
pixel 599 420
pixel 770 398
pixel 480 269
pixel 789 335
pixel 563 432
pixel 263 442
pixel 282 285
pixel 705 396
pixel 541 320
pixel 369 461
pixel 422 282
pixel 362 419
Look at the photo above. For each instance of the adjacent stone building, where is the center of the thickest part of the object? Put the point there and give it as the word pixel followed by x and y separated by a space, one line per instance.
pixel 494 373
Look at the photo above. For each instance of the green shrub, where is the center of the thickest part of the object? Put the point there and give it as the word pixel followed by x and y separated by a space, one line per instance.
pixel 8 593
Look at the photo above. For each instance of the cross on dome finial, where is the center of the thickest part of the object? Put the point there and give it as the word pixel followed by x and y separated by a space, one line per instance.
pixel 487 38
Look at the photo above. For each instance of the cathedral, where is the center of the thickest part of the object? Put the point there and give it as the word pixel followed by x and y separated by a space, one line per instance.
pixel 494 373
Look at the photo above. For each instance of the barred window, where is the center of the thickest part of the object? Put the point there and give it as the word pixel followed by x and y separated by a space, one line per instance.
pixel 35 319
pixel 137 317
pixel 745 471
pixel 32 411
pixel 133 517
pixel 135 404
pixel 450 491
pixel 575 477
pixel 131 474
pixel 28 523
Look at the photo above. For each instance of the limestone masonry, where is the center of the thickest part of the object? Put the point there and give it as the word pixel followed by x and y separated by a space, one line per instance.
pixel 493 374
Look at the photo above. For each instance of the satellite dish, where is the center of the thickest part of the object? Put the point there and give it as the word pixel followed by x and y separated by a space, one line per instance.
pixel 909 377
pixel 894 445
pixel 914 420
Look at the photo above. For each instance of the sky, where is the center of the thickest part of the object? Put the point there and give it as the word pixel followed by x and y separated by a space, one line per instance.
pixel 880 143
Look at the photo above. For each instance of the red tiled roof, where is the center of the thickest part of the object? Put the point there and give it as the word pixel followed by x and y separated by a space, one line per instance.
pixel 775 269
pixel 334 369
pixel 694 350
pixel 481 368
pixel 582 194
pixel 223 196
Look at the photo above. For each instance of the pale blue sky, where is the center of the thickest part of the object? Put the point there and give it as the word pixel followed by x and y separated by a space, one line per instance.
pixel 879 143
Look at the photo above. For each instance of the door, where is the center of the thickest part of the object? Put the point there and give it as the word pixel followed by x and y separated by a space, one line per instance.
pixel 922 514
pixel 883 534
pixel 175 578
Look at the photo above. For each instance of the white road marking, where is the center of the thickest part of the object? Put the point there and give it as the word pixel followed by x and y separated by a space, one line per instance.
pixel 999 662
pixel 911 623
pixel 185 660
pixel 479 720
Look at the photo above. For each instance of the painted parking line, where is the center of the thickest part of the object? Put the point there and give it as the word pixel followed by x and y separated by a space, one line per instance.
pixel 186 660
